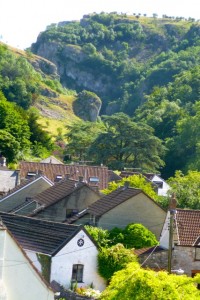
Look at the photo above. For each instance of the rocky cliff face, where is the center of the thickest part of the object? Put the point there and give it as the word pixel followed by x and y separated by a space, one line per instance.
pixel 87 106
pixel 72 67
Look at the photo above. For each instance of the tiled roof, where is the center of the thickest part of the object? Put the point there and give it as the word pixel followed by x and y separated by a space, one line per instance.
pixel 111 200
pixel 58 191
pixel 72 171
pixel 148 250
pixel 188 222
pixel 39 235
pixel 112 176
pixel 128 173
pixel 25 183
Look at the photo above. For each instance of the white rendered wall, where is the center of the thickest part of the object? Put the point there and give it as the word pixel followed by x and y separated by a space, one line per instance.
pixel 161 191
pixel 164 237
pixel 61 267
pixel 33 257
pixel 20 279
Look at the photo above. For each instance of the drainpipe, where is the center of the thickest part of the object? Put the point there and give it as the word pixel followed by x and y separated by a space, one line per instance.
pixel 172 212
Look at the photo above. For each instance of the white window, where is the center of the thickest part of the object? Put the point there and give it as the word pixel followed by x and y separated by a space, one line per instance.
pixel 77 273
pixel 94 179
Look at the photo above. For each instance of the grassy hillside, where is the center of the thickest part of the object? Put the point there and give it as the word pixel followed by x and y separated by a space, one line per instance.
pixel 42 89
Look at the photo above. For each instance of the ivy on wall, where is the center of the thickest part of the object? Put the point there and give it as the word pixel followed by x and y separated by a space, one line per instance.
pixel 45 262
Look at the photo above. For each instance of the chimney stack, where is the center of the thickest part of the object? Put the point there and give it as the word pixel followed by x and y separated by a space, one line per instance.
pixel 126 184
pixel 80 178
pixel 2 161
pixel 18 179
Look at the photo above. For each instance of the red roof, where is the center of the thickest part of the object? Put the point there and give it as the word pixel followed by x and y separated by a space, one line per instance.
pixel 92 175
pixel 188 223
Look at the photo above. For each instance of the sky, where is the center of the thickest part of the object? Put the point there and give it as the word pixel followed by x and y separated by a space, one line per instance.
pixel 21 21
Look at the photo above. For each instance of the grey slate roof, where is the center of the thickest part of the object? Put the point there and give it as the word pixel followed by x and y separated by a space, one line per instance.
pixel 39 235
pixel 57 192
pixel 111 200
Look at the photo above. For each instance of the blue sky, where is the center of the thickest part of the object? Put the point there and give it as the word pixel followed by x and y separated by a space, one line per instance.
pixel 21 21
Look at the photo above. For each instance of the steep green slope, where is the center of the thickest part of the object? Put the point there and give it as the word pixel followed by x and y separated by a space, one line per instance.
pixel 32 81
pixel 34 107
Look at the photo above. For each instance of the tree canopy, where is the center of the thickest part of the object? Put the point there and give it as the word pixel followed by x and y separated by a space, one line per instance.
pixel 126 143
pixel 187 189
pixel 133 282
pixel 133 236
pixel 135 181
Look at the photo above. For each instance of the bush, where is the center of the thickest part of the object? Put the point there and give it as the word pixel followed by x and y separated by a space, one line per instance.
pixel 114 259
pixel 133 236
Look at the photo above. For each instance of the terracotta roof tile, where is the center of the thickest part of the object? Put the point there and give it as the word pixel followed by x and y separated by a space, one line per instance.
pixel 73 171
pixel 188 222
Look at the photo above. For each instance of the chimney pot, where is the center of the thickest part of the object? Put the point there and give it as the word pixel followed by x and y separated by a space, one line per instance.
pixel 80 178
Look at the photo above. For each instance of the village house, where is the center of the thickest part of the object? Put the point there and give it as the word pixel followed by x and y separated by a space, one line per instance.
pixel 19 279
pixel 184 246
pixel 20 199
pixel 186 240
pixel 159 184
pixel 63 200
pixel 60 252
pixel 122 207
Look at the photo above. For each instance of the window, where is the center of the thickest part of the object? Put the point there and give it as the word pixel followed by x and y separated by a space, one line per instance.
pixel 159 184
pixel 31 174
pixel 197 253
pixel 94 179
pixel 77 273
pixel 58 178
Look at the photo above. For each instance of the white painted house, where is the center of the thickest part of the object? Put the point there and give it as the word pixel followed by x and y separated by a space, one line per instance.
pixel 66 251
pixel 162 186
pixel 19 280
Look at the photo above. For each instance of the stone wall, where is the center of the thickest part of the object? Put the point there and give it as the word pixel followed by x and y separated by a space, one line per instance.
pixel 182 258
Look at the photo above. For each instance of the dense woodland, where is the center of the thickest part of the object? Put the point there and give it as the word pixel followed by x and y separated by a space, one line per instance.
pixel 146 73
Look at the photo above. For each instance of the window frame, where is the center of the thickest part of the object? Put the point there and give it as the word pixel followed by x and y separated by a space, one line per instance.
pixel 77 273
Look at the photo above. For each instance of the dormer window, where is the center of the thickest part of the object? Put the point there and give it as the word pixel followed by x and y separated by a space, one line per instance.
pixel 159 184
pixel 58 177
pixel 94 180
pixel 31 174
